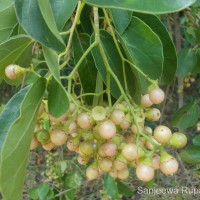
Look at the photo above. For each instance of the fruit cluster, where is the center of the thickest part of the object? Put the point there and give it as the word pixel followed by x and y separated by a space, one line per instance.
pixel 188 80
pixel 109 140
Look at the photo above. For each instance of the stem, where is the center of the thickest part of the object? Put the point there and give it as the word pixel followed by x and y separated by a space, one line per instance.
pixel 118 49
pixel 127 100
pixel 178 47
pixel 190 18
pixel 65 33
pixel 63 192
pixel 34 72
pixel 141 72
pixel 23 81
pixel 169 26
pixel 96 24
pixel 113 34
pixel 107 73
pixel 122 56
pixel 69 86
pixel 81 60
pixel 118 100
pixel 64 63
pixel 76 21
pixel 76 103
pixel 107 66
pixel 110 72
pixel 91 94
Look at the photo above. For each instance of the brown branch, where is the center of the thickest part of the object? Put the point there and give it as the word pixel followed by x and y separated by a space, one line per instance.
pixel 178 48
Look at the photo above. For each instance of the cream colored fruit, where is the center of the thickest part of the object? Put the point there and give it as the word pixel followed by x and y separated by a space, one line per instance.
pixel 58 137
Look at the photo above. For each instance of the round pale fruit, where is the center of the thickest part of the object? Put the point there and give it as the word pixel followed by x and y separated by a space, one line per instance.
pixel 14 71
pixel 72 128
pixel 123 174
pixel 110 149
pixel 107 129
pixel 99 113
pixel 144 172
pixel 49 146
pixel 113 173
pixel 131 152
pixel 71 145
pixel 145 101
pixel 162 134
pixel 117 116
pixel 156 96
pixel 153 114
pixel 92 173
pixel 84 121
pixel 83 160
pixel 169 167
pixel 119 165
pixel 72 108
pixel 155 162
pixel 58 137
pixel 105 165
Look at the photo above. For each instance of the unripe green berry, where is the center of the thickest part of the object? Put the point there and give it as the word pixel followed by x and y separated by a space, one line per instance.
pixel 43 136
pixel 178 140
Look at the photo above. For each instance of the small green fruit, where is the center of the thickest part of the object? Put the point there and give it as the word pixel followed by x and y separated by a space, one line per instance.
pixel 87 148
pixel 43 136
pixel 178 140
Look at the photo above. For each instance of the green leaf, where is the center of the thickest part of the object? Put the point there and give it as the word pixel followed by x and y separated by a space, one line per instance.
pixel 58 102
pixel 187 60
pixel 110 186
pixel 196 69
pixel 196 4
pixel 124 189
pixel 32 193
pixel 8 21
pixel 186 116
pixel 62 10
pixel 196 140
pixel 4 4
pixel 39 192
pixel 87 70
pixel 16 138
pixel 73 180
pixel 144 48
pixel 10 113
pixel 43 190
pixel 121 19
pixel 144 6
pixel 198 34
pixel 51 58
pixel 115 63
pixel 11 50
pixel 70 194
pixel 169 51
pixel 86 25
pixel 37 19
pixel 191 154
